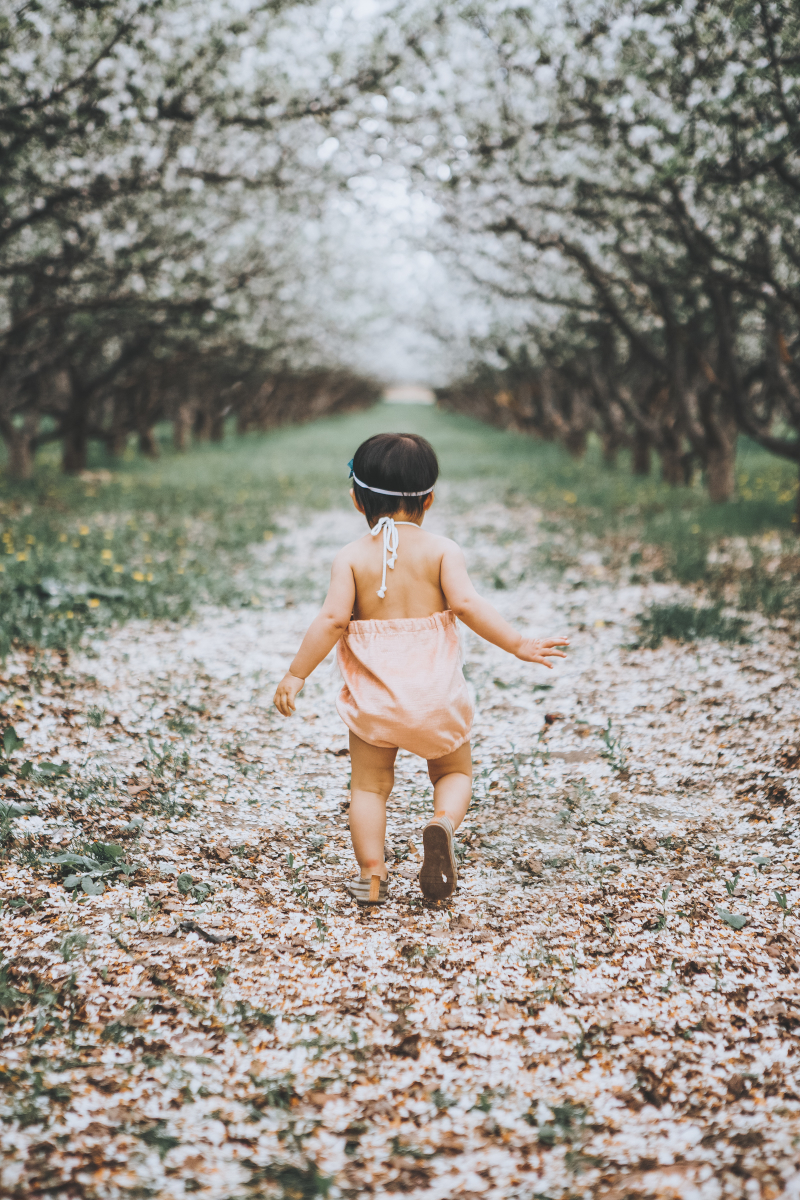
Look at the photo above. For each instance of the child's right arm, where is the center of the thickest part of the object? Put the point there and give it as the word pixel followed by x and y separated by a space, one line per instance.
pixel 322 634
pixel 479 615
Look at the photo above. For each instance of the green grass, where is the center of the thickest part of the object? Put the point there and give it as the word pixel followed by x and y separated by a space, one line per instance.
pixel 154 539
pixel 683 623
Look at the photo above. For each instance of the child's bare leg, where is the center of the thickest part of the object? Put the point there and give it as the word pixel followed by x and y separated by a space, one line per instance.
pixel 451 777
pixel 371 782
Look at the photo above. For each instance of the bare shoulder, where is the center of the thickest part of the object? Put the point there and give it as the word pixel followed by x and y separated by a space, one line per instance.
pixel 349 555
pixel 447 546
pixel 353 553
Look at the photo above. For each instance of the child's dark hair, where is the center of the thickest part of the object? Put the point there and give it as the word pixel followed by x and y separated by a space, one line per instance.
pixel 398 462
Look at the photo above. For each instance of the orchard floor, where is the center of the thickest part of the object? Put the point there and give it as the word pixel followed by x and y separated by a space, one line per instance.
pixel 581 1020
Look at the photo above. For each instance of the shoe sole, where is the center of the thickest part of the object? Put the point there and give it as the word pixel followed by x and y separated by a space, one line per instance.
pixel 438 876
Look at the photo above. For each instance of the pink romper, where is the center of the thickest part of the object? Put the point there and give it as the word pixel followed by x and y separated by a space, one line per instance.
pixel 403 684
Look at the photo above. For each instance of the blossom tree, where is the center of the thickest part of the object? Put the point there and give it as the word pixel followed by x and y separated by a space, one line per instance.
pixel 634 169
pixel 157 165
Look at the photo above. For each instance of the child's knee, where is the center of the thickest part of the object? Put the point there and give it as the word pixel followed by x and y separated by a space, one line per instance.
pixel 457 763
pixel 436 774
pixel 378 782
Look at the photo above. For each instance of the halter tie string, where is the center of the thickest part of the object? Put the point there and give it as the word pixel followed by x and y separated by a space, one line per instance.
pixel 391 540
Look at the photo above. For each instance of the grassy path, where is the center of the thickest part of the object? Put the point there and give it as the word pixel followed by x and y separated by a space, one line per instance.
pixel 606 1008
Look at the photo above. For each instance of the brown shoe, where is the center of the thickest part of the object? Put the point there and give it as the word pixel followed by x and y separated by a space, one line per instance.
pixel 369 891
pixel 438 876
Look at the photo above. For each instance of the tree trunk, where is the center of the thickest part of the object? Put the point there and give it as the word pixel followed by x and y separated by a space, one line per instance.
pixel 575 442
pixel 641 453
pixel 75 438
pixel 721 462
pixel 182 427
pixel 20 445
pixel 672 469
pixel 217 431
pixel 117 442
pixel 610 448
pixel 202 423
pixel 720 477
pixel 74 450
pixel 148 444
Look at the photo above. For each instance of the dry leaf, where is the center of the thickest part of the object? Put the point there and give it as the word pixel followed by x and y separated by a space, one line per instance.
pixel 508 1012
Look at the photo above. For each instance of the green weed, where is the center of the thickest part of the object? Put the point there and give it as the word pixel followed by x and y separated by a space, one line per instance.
pixel 774 593
pixel 683 623
pixel 614 752
pixel 275 1093
pixel 199 891
pixel 72 944
pixel 157 1137
pixel 295 1183
pixel 11 998
pixel 783 904
pixel 102 861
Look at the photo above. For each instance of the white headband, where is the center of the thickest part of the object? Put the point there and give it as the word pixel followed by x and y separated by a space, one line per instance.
pixel 383 491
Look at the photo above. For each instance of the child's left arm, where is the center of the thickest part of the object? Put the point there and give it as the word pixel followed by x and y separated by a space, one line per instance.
pixel 322 635
pixel 484 619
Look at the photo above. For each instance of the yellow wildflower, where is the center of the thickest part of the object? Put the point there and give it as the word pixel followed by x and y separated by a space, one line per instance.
pixel 138 576
pixel 62 537
pixel 148 558
pixel 570 498
pixel 70 615
pixel 83 530
pixel 118 569
pixel 30 539
pixel 94 602
pixel 107 555
pixel 179 571
pixel 149 577
pixel 22 556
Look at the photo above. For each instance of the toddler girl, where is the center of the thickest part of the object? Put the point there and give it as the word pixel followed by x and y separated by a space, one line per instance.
pixel 398 651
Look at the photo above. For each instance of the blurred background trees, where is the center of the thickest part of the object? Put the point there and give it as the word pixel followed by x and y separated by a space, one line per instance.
pixel 626 181
pixel 156 168
pixel 604 202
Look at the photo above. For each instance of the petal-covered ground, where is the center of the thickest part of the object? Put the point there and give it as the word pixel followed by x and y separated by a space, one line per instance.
pixel 609 1006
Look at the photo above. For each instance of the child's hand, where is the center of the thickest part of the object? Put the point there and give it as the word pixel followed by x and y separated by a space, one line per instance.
pixel 286 692
pixel 538 650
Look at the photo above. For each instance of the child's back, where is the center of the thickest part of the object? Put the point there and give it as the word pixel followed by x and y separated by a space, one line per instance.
pixel 413 588
pixel 391 612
